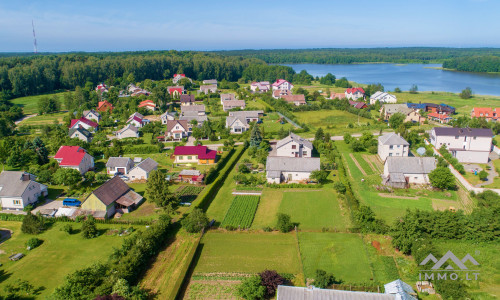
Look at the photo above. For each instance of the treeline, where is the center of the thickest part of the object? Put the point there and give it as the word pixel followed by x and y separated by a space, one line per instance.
pixel 360 55
pixel 487 63
pixel 32 75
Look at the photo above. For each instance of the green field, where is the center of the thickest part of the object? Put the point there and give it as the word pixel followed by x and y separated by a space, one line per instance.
pixel 313 210
pixel 342 254
pixel 48 119
pixel 59 255
pixel 271 123
pixel 336 122
pixel 243 252
pixel 241 212
pixel 30 103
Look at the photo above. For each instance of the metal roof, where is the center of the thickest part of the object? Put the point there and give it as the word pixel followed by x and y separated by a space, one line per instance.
pixel 292 164
pixel 410 165
pixel 304 293
pixel 450 131
pixel 392 139
pixel 119 162
pixel 295 138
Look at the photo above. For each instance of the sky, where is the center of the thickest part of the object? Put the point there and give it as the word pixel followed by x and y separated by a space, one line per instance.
pixel 63 26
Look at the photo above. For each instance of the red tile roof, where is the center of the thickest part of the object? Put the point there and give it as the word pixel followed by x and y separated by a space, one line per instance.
pixel 182 75
pixel 485 112
pixel 147 103
pixel 85 121
pixel 439 116
pixel 279 82
pixel 201 151
pixel 70 155
pixel 104 106
pixel 353 90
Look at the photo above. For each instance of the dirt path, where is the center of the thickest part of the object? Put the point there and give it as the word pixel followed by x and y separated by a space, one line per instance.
pixel 357 164
pixel 397 197
pixel 25 118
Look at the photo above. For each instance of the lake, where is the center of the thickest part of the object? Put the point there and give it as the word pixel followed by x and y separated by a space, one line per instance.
pixel 404 76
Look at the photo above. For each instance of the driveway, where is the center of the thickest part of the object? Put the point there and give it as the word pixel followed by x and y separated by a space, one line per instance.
pixel 50 204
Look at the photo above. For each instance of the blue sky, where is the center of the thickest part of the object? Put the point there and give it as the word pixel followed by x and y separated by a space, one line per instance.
pixel 213 25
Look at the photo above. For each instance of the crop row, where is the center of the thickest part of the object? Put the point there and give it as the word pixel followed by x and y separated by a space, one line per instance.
pixel 241 212
pixel 188 193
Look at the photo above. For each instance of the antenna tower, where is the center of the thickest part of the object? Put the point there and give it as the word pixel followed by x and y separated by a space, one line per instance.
pixel 34 37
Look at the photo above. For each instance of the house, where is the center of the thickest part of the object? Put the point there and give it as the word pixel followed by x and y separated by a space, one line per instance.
pixel 232 104
pixel 142 170
pixel 490 114
pixel 282 84
pixel 137 120
pixel 194 154
pixel 104 106
pixel 226 97
pixel 129 131
pixel 74 157
pixel 237 124
pixel 354 93
pixel 187 99
pixel 167 116
pixel 19 189
pixel 441 118
pixel 412 115
pixel 294 146
pixel 119 165
pixel 401 171
pixel 102 88
pixel 177 129
pixel 112 197
pixel 137 91
pixel 400 289
pixel 210 82
pixel 296 100
pixel 190 116
pixel 280 93
pixel 196 109
pixel 338 96
pixel 382 97
pixel 211 88
pixel 290 169
pixel 391 144
pixel 358 105
pixel 178 77
pixel 260 86
pixel 81 134
pixel 191 176
pixel 92 115
pixel 84 123
pixel 468 145
pixel 433 108
pixel 147 104
pixel 175 91
pixel 249 115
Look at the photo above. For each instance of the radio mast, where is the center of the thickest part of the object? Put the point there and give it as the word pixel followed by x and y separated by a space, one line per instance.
pixel 34 37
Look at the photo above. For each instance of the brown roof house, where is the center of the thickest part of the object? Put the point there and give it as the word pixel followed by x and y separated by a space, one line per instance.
pixel 187 99
pixel 112 197
pixel 177 129
pixel 295 99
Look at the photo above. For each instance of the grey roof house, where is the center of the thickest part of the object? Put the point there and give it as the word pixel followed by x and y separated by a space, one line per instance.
pixel 142 170
pixel 293 146
pixel 392 144
pixel 127 131
pixel 121 165
pixel 19 189
pixel 399 172
pixel 237 124
pixel 81 134
pixel 290 169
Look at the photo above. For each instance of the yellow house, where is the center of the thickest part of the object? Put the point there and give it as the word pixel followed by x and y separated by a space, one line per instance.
pixel 194 154
pixel 111 197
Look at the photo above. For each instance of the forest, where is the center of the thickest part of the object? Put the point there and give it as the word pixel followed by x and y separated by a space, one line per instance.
pixel 361 55
pixel 488 63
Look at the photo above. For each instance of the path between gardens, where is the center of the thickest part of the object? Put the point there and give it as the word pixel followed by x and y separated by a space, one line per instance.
pixel 25 118
pixel 289 121
pixel 357 164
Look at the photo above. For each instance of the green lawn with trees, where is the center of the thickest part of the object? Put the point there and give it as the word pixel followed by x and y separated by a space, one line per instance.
pixel 30 103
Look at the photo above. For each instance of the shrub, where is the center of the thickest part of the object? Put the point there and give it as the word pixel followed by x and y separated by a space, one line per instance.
pixel 33 243
pixel 323 279
pixel 267 229
pixel 483 175
pixel 32 224
pixel 284 223
pixel 195 221
pixel 339 187
pixel 251 288
pixel 270 280
pixel 67 228
pixel 442 178
pixel 89 229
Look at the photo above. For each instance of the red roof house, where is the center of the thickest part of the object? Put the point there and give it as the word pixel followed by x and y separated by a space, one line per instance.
pixel 105 106
pixel 83 122
pixel 486 112
pixel 175 90
pixel 282 84
pixel 358 105
pixel 194 154
pixel 441 118
pixel 354 93
pixel 148 104
pixel 74 157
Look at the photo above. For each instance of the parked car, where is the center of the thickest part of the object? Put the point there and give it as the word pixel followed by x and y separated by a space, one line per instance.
pixel 123 177
pixel 71 202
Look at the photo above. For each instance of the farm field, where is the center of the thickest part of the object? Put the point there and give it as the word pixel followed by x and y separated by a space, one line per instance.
pixel 244 252
pixel 241 212
pixel 30 103
pixel 314 210
pixel 187 193
pixel 59 255
pixel 48 119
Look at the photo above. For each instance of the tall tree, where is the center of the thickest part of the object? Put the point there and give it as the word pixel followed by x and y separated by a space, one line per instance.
pixel 255 136
pixel 157 190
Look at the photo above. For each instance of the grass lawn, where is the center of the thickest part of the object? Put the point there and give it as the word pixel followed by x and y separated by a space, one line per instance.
pixel 59 255
pixel 45 119
pixel 270 202
pixel 313 210
pixel 30 103
pixel 336 122
pixel 244 252
pixel 255 105
pixel 342 254
pixel 270 123
pixel 496 182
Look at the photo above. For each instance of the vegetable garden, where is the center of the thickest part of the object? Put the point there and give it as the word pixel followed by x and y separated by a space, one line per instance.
pixel 187 193
pixel 241 212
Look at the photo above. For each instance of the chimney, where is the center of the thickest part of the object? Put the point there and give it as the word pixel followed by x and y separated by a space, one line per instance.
pixel 25 177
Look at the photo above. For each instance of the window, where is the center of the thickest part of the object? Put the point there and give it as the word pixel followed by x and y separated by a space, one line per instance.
pixel 304 153
pixel 474 137
pixel 18 202
pixel 294 146
pixel 390 154
pixel 181 157
pixel 391 147
pixel 415 177
pixel 190 157
pixel 456 137
pixel 399 146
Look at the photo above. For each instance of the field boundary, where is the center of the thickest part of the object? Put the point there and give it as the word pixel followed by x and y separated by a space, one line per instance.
pixel 185 268
pixel 357 164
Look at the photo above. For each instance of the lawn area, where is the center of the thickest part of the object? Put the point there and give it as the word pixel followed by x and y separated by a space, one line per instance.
pixel 336 122
pixel 270 123
pixel 59 255
pixel 30 103
pixel 244 252
pixel 45 119
pixel 313 210
pixel 241 212
pixel 270 201
pixel 342 254
pixel 255 105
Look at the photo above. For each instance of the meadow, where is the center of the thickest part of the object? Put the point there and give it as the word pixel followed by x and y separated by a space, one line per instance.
pixel 48 119
pixel 30 103
pixel 336 122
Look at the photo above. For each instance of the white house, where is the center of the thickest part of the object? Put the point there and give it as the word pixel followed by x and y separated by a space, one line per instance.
pixel 120 165
pixel 226 97
pixel 74 157
pixel 237 124
pixel 282 84
pixel 391 144
pixel 19 189
pixel 383 97
pixel 142 170
pixel 177 129
pixel 91 115
pixel 167 116
pixel 129 131
pixel 211 88
pixel 468 145
pixel 354 93
pixel 294 146
pixel 137 120
pixel 249 115
pixel 290 169
pixel 400 171
pixel 231 104
pixel 261 86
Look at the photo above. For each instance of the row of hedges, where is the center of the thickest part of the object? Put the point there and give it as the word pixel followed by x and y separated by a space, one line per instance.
pixel 214 172
pixel 452 160
pixel 20 218
pixel 293 186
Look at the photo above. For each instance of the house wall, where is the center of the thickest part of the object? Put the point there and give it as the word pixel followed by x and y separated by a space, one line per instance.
pixel 285 86
pixel 206 161
pixel 92 116
pixel 93 203
pixel 288 151
pixel 296 176
pixel 273 179
pixel 186 159
pixel 138 174
pixel 385 151
pixel 8 203
pixel 79 136
pixel 480 157
pixel 86 164
pixel 128 134
pixel 476 150
pixel 238 127
pixel 417 178
pixel 135 123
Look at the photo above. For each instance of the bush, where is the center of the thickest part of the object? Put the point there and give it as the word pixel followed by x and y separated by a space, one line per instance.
pixel 267 229
pixel 32 224
pixel 339 187
pixel 284 223
pixel 270 280
pixel 251 289
pixel 67 228
pixel 33 243
pixel 442 178
pixel 483 175
pixel 323 279
pixel 89 229
pixel 195 221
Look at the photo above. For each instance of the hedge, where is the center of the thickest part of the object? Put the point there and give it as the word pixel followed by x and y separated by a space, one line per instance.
pixel 293 186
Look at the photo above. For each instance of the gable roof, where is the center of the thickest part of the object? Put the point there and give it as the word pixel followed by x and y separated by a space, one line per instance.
pixel 80 130
pixel 231 119
pixel 451 131
pixel 186 172
pixel 281 93
pixel 401 289
pixel 128 127
pixel 295 138
pixel 410 165
pixel 86 112
pixel 147 103
pixel 397 108
pixel 227 97
pixel 294 98
pixel 280 82
pixel 171 124
pixel 201 151
pixel 195 108
pixel 380 95
pixel 190 117
pixel 439 116
pixel 147 165
pixel 104 104
pixel 356 104
pixel 187 99
pixel 111 190
pixel 354 90
pixel 304 293
pixel 210 81
pixel 70 155
pixel 119 162
pixel 392 139
pixel 292 164
pixel 233 103
pixel 12 183
pixel 246 113
pixel 208 87
pixel 85 121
